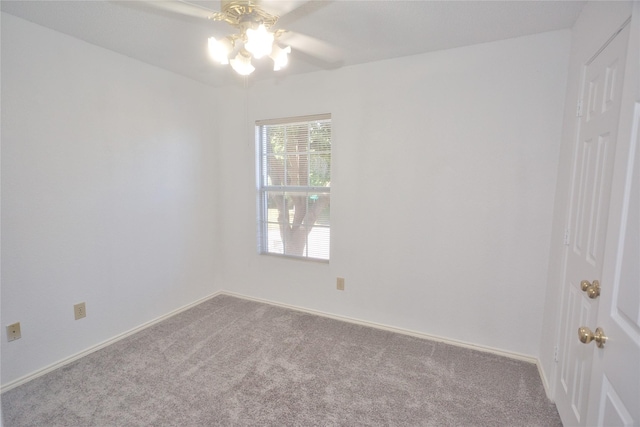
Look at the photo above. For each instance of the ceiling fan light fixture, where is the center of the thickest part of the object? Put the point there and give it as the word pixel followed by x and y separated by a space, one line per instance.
pixel 219 50
pixel 280 57
pixel 254 40
pixel 242 64
pixel 259 42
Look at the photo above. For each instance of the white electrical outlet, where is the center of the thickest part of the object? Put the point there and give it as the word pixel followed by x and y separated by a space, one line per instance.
pixel 80 310
pixel 13 332
pixel 340 284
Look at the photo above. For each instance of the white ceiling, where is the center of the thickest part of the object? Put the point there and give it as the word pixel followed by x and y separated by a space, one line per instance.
pixel 350 32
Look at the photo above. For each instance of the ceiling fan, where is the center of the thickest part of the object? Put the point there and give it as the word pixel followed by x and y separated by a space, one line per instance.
pixel 256 36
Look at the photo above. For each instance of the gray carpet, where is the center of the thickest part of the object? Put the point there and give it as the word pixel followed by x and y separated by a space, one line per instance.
pixel 234 362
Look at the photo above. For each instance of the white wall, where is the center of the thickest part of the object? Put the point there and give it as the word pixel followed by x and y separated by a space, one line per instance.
pixel 595 25
pixel 444 172
pixel 127 187
pixel 108 194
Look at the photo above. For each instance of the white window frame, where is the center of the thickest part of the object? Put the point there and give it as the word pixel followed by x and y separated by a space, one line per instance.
pixel 311 195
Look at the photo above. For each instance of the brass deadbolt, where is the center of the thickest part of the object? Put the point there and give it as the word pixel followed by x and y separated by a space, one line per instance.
pixel 592 289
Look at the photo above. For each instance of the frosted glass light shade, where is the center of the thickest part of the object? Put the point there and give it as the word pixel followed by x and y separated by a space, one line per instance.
pixel 242 64
pixel 259 42
pixel 280 57
pixel 219 50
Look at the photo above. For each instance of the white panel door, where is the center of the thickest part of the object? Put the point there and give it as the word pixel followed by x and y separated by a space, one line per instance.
pixel 590 193
pixel 614 398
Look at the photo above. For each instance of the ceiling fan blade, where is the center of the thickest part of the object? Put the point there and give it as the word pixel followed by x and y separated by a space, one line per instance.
pixel 293 10
pixel 314 47
pixel 183 7
pixel 281 7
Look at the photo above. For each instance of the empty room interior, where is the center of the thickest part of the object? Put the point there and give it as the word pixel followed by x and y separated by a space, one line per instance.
pixel 399 213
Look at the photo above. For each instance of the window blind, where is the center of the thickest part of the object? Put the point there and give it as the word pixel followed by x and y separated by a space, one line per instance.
pixel 294 186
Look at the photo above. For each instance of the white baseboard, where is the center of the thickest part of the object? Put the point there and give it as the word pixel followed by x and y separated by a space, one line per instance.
pixel 66 361
pixel 545 383
pixel 63 362
pixel 485 349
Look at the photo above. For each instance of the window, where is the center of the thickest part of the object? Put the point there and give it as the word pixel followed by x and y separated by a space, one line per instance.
pixel 294 184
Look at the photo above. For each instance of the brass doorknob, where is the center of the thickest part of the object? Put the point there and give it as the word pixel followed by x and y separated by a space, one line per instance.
pixel 586 336
pixel 592 289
